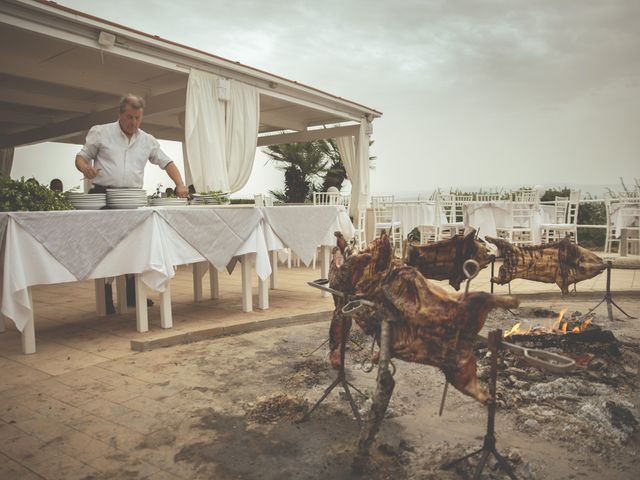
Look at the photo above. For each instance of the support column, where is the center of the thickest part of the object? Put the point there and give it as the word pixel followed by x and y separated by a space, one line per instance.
pixel 263 294
pixel 142 318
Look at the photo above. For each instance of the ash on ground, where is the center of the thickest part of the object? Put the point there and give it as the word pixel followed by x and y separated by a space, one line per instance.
pixel 277 408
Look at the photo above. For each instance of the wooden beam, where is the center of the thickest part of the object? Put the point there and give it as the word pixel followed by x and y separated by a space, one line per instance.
pixel 160 104
pixel 31 99
pixel 308 135
pixel 279 120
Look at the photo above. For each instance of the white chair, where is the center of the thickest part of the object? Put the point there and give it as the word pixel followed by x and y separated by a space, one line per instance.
pixel 360 234
pixel 327 198
pixel 453 206
pixel 525 196
pixel 623 213
pixel 519 231
pixel 261 200
pixel 487 197
pixel 566 219
pixel 383 218
pixel 431 233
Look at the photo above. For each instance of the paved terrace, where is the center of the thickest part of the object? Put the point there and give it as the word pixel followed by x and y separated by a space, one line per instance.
pixel 77 407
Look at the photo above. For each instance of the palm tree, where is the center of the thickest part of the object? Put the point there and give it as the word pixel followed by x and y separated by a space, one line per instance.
pixel 303 163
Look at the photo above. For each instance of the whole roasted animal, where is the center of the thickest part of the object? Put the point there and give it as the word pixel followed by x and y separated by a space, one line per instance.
pixel 411 319
pixel 429 325
pixel 563 263
pixel 443 260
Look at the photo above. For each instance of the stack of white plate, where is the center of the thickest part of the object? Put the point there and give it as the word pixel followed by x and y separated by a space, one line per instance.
pixel 168 202
pixel 200 199
pixel 126 197
pixel 83 201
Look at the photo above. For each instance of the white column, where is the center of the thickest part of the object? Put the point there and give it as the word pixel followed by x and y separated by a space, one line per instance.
pixel 166 317
pixel 214 286
pixel 29 333
pixel 142 318
pixel 101 309
pixel 121 293
pixel 247 294
pixel 325 252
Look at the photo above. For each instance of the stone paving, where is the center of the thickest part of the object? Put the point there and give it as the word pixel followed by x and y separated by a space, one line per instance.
pixel 81 407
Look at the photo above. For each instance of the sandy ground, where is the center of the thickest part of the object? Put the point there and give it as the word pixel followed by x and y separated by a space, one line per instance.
pixel 226 409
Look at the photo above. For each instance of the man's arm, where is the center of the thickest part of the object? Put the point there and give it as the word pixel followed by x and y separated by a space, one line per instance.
pixel 87 170
pixel 174 174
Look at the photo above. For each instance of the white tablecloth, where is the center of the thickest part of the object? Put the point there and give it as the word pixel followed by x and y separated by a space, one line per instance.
pixel 151 248
pixel 412 215
pixel 303 228
pixel 487 217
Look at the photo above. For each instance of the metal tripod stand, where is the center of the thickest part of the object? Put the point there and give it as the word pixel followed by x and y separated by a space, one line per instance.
pixel 609 298
pixel 489 444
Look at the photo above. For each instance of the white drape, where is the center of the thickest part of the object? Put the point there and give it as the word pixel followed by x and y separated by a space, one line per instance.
pixel 243 119
pixel 6 161
pixel 204 131
pixel 220 137
pixel 354 152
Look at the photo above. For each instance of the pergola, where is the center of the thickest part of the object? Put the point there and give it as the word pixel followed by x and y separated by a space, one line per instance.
pixel 63 71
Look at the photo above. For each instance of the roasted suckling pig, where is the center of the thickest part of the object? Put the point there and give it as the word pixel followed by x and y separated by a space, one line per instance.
pixel 562 263
pixel 443 260
pixel 429 325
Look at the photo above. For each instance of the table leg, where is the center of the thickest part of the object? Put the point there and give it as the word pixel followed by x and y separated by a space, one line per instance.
pixel 29 333
pixel 101 309
pixel 166 317
pixel 325 252
pixel 198 272
pixel 624 242
pixel 273 280
pixel 247 300
pixel 121 293
pixel 214 286
pixel 263 294
pixel 142 318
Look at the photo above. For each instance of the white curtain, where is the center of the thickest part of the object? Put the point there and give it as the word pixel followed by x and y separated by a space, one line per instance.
pixel 243 119
pixel 6 161
pixel 204 131
pixel 354 152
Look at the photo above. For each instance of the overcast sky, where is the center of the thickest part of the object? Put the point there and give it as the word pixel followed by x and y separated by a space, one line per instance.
pixel 472 92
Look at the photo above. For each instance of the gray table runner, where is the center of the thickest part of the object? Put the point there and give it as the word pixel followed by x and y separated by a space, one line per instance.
pixel 80 240
pixel 215 233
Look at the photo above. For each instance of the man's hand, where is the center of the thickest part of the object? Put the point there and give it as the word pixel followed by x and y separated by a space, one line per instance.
pixel 182 191
pixel 86 168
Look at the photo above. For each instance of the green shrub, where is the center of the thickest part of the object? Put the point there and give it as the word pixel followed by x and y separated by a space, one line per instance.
pixel 29 195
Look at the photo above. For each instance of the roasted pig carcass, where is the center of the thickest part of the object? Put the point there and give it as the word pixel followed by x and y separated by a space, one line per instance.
pixel 429 325
pixel 562 263
pixel 443 260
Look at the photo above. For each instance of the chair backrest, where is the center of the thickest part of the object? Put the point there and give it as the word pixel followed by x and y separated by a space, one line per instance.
pixel 521 214
pixel 327 198
pixel 488 197
pixel 572 207
pixel 560 207
pixel 361 229
pixel 382 208
pixel 526 196
pixel 446 204
pixel 263 200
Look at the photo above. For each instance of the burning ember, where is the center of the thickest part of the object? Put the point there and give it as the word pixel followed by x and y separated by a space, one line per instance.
pixel 559 326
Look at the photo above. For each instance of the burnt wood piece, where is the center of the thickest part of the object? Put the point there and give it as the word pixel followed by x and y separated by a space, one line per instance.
pixel 443 260
pixel 431 326
pixel 563 263
pixel 592 340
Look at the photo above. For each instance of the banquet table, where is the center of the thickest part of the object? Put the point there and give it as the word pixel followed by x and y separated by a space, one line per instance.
pixel 413 214
pixel 487 217
pixel 68 246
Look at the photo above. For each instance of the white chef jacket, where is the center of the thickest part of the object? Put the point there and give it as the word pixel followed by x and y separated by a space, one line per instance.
pixel 121 161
